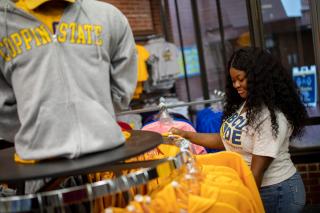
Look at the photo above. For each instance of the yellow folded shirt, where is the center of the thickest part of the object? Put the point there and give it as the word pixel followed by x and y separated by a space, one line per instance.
pixel 17 159
pixel 126 134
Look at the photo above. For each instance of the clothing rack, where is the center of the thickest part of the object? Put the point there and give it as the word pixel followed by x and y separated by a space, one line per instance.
pixel 147 37
pixel 157 108
pixel 90 192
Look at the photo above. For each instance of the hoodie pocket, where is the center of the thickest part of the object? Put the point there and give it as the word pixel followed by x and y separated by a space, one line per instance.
pixel 53 133
pixel 73 129
pixel 99 129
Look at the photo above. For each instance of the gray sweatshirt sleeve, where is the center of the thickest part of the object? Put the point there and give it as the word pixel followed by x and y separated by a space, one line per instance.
pixel 9 121
pixel 124 65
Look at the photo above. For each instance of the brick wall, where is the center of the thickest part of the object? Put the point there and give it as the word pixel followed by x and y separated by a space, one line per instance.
pixel 311 177
pixel 143 15
pixel 138 13
pixel 155 8
pixel 158 28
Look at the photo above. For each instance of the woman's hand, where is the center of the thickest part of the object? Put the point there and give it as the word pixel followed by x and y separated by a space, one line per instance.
pixel 176 131
pixel 209 140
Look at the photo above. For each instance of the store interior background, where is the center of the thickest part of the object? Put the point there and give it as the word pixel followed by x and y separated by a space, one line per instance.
pixel 287 32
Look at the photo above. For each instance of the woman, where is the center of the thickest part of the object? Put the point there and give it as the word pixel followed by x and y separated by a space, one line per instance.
pixel 262 113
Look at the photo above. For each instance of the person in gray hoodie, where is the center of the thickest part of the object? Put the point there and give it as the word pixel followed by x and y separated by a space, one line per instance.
pixel 59 91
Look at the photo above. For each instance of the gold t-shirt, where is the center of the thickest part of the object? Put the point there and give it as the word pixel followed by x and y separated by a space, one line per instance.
pixel 47 14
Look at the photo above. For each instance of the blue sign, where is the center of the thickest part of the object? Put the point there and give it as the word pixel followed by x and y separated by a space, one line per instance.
pixel 306 80
pixel 192 61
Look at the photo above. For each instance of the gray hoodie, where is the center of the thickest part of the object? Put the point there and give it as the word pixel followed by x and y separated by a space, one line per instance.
pixel 58 91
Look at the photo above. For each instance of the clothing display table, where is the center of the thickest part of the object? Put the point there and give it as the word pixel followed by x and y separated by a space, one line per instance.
pixel 138 143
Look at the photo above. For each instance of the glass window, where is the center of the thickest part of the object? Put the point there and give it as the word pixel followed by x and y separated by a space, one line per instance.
pixel 288 35
pixel 216 53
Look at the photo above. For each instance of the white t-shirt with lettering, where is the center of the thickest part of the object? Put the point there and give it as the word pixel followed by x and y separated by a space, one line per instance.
pixel 245 140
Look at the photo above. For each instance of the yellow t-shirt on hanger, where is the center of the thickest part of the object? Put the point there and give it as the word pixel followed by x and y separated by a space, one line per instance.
pixel 142 57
